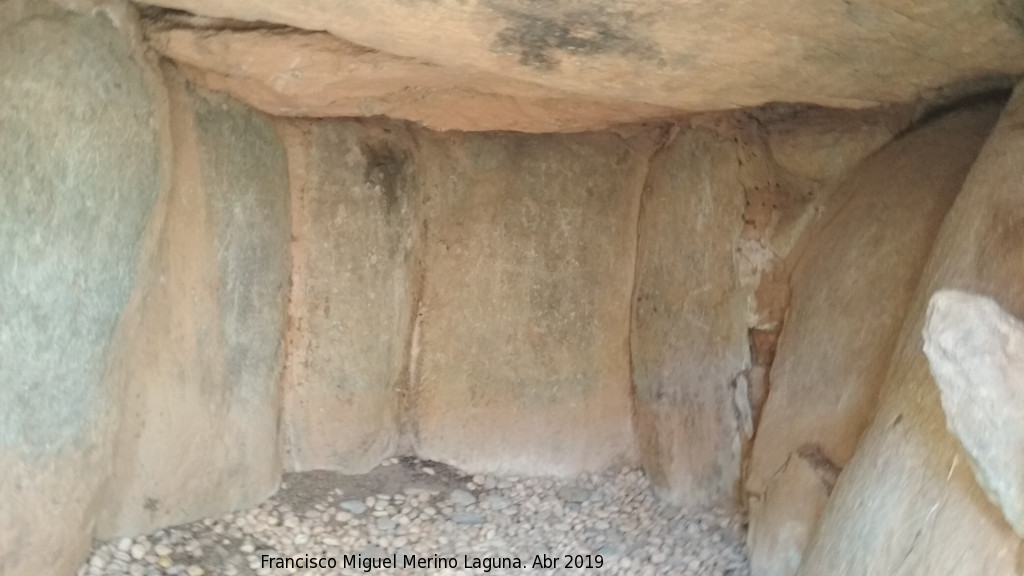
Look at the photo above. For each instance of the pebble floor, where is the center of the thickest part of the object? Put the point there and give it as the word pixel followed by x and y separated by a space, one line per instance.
pixel 411 507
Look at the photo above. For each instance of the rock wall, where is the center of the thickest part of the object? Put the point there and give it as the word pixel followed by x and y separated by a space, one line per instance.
pixel 526 304
pixel 521 350
pixel 200 363
pixel 80 172
pixel 355 188
pixel 689 331
pixel 431 274
pixel 849 293
pixel 726 207
pixel 144 297
pixel 908 502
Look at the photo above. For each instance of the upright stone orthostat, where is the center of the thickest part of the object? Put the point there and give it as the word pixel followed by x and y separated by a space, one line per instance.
pixel 203 346
pixel 520 354
pixel 850 292
pixel 79 175
pixel 689 330
pixel 355 188
pixel 908 502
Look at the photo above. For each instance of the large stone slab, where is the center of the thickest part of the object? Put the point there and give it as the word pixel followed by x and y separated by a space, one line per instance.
pixel 689 329
pixel 794 164
pixel 520 353
pixel 201 359
pixel 976 355
pixel 682 54
pixel 850 292
pixel 908 502
pixel 79 175
pixel 319 75
pixel 355 188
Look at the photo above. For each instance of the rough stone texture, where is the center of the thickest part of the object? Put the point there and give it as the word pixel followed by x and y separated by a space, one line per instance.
pixel 814 150
pixel 521 359
pixel 79 175
pixel 689 330
pixel 907 503
pixel 681 54
pixel 202 358
pixel 821 145
pixel 976 355
pixel 811 150
pixel 850 292
pixel 781 526
pixel 792 160
pixel 319 75
pixel 355 188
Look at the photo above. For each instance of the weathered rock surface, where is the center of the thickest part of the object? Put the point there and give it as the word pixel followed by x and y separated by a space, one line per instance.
pixel 679 54
pixel 689 330
pixel 792 160
pixel 521 356
pixel 79 175
pixel 975 352
pixel 318 75
pixel 355 193
pixel 850 292
pixel 203 351
pixel 784 520
pixel 908 502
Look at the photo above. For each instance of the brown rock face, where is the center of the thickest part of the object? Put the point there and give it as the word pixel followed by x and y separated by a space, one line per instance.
pixel 200 363
pixel 689 337
pixel 317 75
pixel 520 354
pixel 784 520
pixel 850 292
pixel 355 192
pixel 908 502
pixel 679 54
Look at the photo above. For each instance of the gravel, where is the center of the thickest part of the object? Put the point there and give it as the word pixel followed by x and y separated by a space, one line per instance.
pixel 410 507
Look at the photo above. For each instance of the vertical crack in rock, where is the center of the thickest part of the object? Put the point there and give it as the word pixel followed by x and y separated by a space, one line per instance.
pixel 298 140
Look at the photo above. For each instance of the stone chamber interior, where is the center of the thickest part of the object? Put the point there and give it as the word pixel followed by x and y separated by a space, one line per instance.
pixel 502 286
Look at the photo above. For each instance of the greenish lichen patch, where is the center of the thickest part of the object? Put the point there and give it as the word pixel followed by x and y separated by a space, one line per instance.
pixel 244 173
pixel 79 175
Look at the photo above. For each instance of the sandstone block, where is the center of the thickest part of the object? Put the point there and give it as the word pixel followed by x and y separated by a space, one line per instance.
pixel 355 188
pixel 203 349
pixel 908 502
pixel 521 356
pixel 689 330
pixel 850 292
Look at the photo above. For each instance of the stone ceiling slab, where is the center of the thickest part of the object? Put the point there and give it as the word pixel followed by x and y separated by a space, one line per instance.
pixel 682 54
